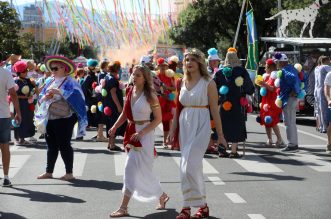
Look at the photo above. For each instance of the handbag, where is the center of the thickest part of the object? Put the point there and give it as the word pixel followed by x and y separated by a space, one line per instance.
pixel 59 108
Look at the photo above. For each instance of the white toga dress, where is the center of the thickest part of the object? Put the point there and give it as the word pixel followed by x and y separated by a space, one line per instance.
pixel 194 135
pixel 139 180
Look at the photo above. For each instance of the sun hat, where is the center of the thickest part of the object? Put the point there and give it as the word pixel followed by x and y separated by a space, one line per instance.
pixel 69 65
pixel 92 63
pixel 20 67
pixel 213 54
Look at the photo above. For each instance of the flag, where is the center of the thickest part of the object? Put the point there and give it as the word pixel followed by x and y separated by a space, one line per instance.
pixel 252 42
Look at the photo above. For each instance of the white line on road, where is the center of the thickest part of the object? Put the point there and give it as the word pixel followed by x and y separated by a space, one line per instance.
pixel 119 162
pixel 207 167
pixel 256 216
pixel 312 161
pixel 254 163
pixel 302 132
pixel 78 168
pixel 235 198
pixel 216 180
pixel 16 163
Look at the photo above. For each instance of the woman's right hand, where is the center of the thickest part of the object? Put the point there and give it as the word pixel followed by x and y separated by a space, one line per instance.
pixel 112 131
pixel 171 137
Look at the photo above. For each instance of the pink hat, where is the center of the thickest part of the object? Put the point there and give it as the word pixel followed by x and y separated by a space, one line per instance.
pixel 20 67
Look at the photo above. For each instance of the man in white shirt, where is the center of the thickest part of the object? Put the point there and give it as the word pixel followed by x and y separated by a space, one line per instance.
pixel 327 93
pixel 7 85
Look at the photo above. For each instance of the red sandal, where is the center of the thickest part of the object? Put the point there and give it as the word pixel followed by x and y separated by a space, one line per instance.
pixel 202 213
pixel 184 214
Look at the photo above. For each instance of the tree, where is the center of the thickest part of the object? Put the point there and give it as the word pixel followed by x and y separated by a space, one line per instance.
pixel 212 23
pixel 30 48
pixel 9 28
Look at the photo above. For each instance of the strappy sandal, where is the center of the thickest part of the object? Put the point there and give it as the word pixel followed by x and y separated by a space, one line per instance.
pixel 234 155
pixel 202 213
pixel 222 151
pixel 115 148
pixel 163 199
pixel 121 212
pixel 279 143
pixel 184 214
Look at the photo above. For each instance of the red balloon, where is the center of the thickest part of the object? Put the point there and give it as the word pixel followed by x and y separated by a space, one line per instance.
pixel 107 111
pixel 278 91
pixel 301 76
pixel 31 107
pixel 94 85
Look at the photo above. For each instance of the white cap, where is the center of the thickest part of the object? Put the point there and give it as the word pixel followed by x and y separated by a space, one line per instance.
pixel 213 57
pixel 281 57
pixel 146 59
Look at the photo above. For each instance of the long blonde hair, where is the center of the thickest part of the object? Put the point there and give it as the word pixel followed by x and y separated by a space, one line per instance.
pixel 148 86
pixel 201 61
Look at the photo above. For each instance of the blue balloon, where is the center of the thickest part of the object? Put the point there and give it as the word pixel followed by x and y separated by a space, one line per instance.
pixel 14 123
pixel 171 96
pixel 302 94
pixel 224 90
pixel 263 91
pixel 100 108
pixel 258 119
pixel 268 120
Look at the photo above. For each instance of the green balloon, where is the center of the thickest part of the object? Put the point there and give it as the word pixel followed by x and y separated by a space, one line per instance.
pixel 103 92
pixel 279 74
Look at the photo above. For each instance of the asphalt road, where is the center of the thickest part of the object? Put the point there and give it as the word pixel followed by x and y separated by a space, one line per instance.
pixel 263 184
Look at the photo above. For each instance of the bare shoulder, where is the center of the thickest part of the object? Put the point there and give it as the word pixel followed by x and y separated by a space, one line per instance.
pixel 154 99
pixel 211 84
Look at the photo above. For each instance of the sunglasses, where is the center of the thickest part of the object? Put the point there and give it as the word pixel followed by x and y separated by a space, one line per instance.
pixel 55 68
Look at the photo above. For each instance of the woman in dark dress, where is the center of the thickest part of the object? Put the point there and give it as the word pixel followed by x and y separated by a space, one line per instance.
pixel 233 83
pixel 25 91
pixel 113 103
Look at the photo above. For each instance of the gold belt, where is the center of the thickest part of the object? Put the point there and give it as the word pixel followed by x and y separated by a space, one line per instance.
pixel 139 122
pixel 198 107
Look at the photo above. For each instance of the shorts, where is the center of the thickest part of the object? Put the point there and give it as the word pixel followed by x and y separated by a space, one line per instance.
pixel 329 115
pixel 5 130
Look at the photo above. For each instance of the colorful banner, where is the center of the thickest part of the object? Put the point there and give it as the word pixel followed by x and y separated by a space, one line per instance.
pixel 252 42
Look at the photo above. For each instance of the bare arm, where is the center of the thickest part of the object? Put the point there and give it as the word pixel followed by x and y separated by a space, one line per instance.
pixel 213 104
pixel 115 99
pixel 327 94
pixel 13 96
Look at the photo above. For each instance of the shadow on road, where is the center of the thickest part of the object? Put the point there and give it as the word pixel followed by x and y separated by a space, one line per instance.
pixel 7 215
pixel 98 184
pixel 43 196
pixel 269 175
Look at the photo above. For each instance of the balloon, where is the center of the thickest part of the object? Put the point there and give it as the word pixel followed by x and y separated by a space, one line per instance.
pixel 16 87
pixel 258 119
pixel 98 89
pixel 260 105
pixel 243 101
pixel 298 67
pixel 302 94
pixel 264 76
pixel 239 81
pixel 266 107
pixel 107 111
pixel 8 99
pixel 100 108
pixel 273 75
pixel 279 103
pixel 104 92
pixel 227 105
pixel 103 82
pixel 268 120
pixel 224 90
pixel 258 79
pixel 121 85
pixel 31 107
pixel 278 91
pixel 30 100
pixel 227 71
pixel 171 96
pixel 99 103
pixel 94 85
pixel 25 90
pixel 263 91
pixel 277 82
pixel 279 74
pixel 14 123
pixel 93 109
pixel 302 85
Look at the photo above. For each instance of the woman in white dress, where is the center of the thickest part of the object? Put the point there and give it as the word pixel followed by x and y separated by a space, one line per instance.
pixel 197 94
pixel 139 180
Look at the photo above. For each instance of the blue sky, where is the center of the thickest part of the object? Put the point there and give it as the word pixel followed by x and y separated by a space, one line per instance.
pixel 126 4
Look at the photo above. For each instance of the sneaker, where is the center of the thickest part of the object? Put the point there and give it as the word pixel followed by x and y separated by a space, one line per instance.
pixel 290 148
pixel 42 136
pixel 80 138
pixel 6 183
pixel 328 148
pixel 32 139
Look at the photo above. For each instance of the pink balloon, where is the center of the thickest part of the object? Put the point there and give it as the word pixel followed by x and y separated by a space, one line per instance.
pixel 107 111
pixel 30 100
pixel 16 87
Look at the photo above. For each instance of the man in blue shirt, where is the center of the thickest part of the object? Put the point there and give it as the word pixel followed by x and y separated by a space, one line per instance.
pixel 289 90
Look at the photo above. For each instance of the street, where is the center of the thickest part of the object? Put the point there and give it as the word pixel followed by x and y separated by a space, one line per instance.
pixel 263 184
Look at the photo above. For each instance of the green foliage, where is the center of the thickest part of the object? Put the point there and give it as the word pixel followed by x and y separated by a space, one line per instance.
pixel 9 28
pixel 30 48
pixel 213 23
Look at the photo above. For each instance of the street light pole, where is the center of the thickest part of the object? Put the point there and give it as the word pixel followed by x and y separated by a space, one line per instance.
pixel 279 6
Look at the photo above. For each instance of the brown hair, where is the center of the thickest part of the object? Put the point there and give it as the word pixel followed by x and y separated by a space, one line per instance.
pixel 104 64
pixel 323 60
pixel 114 67
pixel 148 86
pixel 201 61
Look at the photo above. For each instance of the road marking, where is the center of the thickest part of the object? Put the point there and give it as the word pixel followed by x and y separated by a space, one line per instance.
pixel 78 168
pixel 207 167
pixel 216 180
pixel 119 162
pixel 312 161
pixel 235 198
pixel 16 163
pixel 254 163
pixel 160 126
pixel 256 216
pixel 302 132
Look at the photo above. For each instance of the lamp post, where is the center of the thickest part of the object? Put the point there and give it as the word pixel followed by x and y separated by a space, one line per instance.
pixel 279 6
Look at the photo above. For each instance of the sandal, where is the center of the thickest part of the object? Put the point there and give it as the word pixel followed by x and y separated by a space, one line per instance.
pixel 121 212
pixel 45 176
pixel 234 155
pixel 115 148
pixel 222 151
pixel 163 201
pixel 203 212
pixel 280 143
pixel 23 143
pixel 184 214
